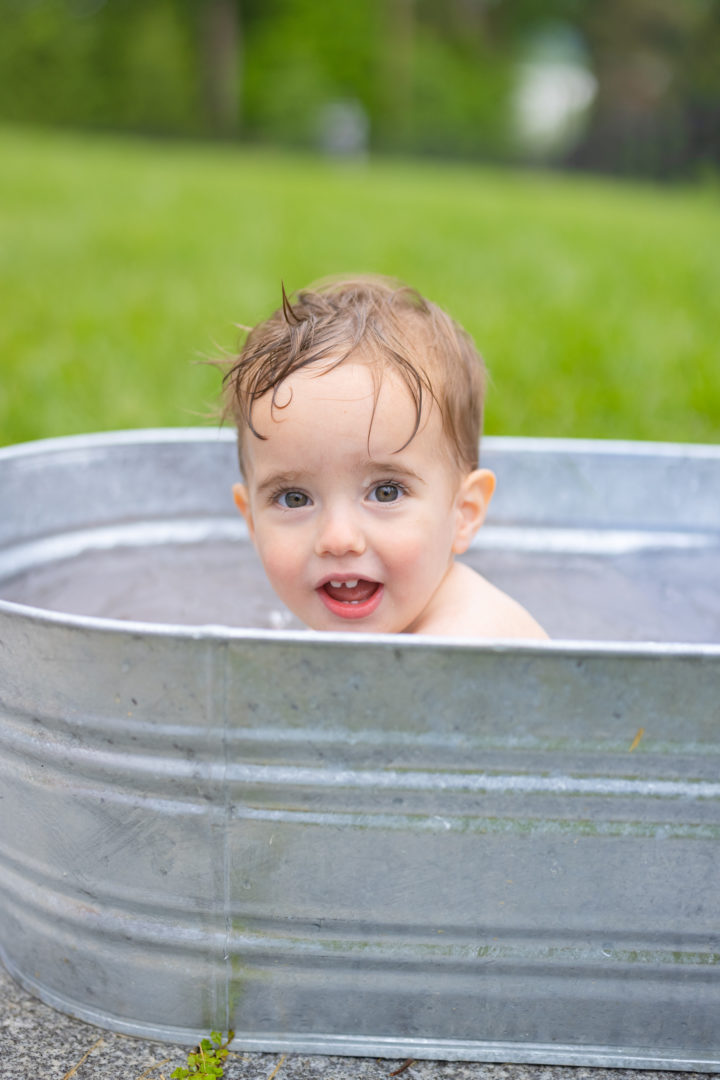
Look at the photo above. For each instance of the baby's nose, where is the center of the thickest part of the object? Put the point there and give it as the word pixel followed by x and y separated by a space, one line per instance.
pixel 339 533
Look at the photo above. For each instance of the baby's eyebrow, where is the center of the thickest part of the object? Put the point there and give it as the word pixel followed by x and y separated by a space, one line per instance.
pixel 393 468
pixel 281 480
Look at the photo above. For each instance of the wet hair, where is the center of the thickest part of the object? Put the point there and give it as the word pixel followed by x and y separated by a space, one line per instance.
pixel 381 322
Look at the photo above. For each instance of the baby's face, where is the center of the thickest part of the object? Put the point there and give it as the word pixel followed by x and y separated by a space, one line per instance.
pixel 353 535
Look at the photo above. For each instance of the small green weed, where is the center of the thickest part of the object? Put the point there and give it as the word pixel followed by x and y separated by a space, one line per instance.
pixel 207 1058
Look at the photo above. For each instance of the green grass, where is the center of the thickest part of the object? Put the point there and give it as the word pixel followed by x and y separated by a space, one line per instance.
pixel 595 303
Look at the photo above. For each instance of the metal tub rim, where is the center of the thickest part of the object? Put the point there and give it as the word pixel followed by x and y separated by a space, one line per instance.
pixel 119 437
pixel 218 632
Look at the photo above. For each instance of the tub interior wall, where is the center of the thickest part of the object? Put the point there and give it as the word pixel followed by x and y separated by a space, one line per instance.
pixel 661 595
pixel 598 545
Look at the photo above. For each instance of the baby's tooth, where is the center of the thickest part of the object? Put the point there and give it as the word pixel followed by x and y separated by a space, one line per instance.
pixel 351 584
pixel 336 584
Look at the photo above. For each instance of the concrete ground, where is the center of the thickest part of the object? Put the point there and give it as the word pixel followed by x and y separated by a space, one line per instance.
pixel 38 1043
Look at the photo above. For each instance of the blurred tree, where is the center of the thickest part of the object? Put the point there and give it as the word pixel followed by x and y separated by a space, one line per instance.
pixel 657 108
pixel 638 48
pixel 105 63
pixel 301 56
pixel 461 81
pixel 398 36
pixel 426 76
pixel 699 88
pixel 221 58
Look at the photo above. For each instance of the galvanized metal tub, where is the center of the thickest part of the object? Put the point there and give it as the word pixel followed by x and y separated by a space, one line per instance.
pixel 364 844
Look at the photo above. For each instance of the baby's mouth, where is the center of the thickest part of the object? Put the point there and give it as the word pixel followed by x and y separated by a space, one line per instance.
pixel 355 591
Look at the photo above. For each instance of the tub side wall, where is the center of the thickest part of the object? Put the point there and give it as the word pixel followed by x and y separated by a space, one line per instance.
pixel 298 839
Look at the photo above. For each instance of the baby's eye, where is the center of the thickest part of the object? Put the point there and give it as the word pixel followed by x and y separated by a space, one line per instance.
pixel 386 493
pixel 293 500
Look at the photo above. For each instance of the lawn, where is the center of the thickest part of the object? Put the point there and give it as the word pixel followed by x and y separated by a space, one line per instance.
pixel 123 262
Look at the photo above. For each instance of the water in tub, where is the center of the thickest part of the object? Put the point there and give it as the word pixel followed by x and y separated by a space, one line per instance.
pixel 601 590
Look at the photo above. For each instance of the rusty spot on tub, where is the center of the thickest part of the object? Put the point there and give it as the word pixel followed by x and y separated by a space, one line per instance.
pixel 636 741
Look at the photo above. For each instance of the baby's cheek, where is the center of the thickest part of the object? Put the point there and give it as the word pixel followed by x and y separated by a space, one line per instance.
pixel 424 556
pixel 280 561
pixel 409 556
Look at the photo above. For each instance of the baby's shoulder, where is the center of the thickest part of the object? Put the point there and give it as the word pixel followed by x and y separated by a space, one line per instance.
pixel 468 605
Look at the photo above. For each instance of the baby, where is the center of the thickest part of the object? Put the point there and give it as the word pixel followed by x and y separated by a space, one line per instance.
pixel 358 409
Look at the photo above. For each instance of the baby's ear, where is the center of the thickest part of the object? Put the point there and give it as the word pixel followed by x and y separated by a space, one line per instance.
pixel 473 499
pixel 242 501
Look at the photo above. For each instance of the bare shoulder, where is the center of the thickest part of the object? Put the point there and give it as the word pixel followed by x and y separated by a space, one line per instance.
pixel 467 605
